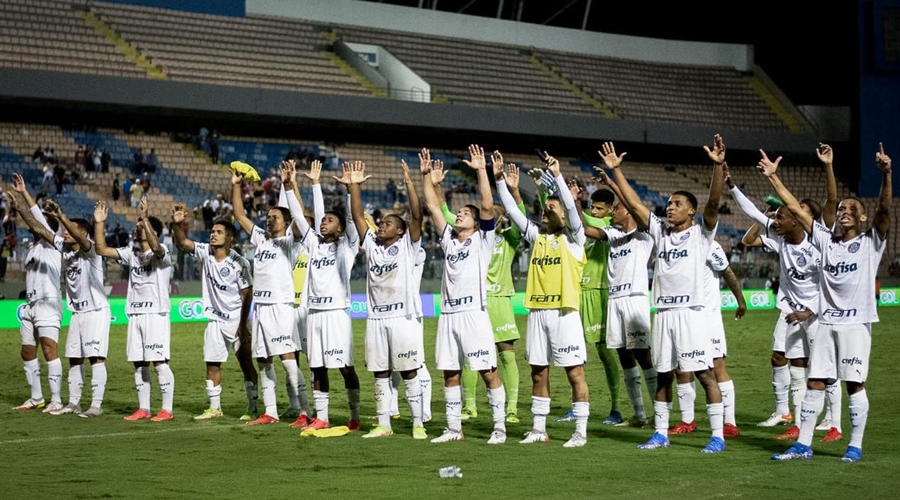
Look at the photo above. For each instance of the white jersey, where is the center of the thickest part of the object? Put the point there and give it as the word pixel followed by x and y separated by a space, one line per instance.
pixel 799 273
pixel 222 283
pixel 680 260
pixel 42 267
pixel 463 285
pixel 84 280
pixel 421 257
pixel 716 262
pixel 148 281
pixel 273 265
pixel 626 268
pixel 390 286
pixel 848 276
pixel 328 274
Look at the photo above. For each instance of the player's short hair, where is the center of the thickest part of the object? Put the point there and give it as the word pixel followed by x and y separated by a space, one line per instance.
pixel 400 221
pixel 84 225
pixel 156 224
pixel 603 196
pixel 690 197
pixel 285 213
pixel 342 220
pixel 815 208
pixel 230 231
pixel 863 205
pixel 475 211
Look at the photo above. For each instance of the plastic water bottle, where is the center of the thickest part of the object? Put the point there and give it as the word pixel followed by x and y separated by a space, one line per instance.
pixel 450 471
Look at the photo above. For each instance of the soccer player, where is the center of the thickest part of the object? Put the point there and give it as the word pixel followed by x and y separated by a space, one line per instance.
pixel 552 296
pixel 499 300
pixel 329 331
pixel 394 327
pixel 628 310
pixel 42 314
pixel 227 289
pixel 149 330
pixel 679 340
pixel 88 334
pixel 798 302
pixel 847 305
pixel 277 249
pixel 716 265
pixel 464 331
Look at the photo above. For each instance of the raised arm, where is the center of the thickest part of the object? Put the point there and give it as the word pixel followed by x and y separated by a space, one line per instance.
pixel 101 212
pixel 478 163
pixel 751 237
pixel 734 285
pixel 28 217
pixel 768 168
pixel 432 175
pixel 294 203
pixel 149 233
pixel 826 156
pixel 882 220
pixel 237 203
pixel 717 155
pixel 81 239
pixel 626 193
pixel 743 202
pixel 415 207
pixel 314 173
pixel 181 240
pixel 504 180
pixel 354 180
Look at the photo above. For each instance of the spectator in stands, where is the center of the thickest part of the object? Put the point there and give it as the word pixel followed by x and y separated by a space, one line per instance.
pixel 7 245
pixel 126 189
pixel 138 167
pixel 391 189
pixel 213 141
pixel 105 159
pixel 38 155
pixel 80 158
pixel 4 202
pixel 97 160
pixel 50 155
pixel 137 191
pixel 116 191
pixel 59 178
pixel 151 162
pixel 145 184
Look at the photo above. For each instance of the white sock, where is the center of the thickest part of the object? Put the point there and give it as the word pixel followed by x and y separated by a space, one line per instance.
pixel 497 400
pixel 798 390
pixel 291 375
pixel 581 410
pixel 302 392
pixel 661 410
pixel 267 384
pixel 728 397
pixel 859 413
pixel 215 395
pixel 809 413
pixel 395 393
pixel 414 399
pixel 835 397
pixel 540 408
pixel 650 379
pixel 252 392
pixel 383 401
pixel 453 398
pixel 54 377
pixel 716 413
pixel 142 384
pixel 320 400
pixel 33 376
pixel 686 397
pixel 76 383
pixel 781 383
pixel 166 385
pixel 425 383
pixel 633 388
pixel 353 403
pixel 98 384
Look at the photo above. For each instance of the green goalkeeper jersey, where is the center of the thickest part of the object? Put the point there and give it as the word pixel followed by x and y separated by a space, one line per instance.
pixel 594 275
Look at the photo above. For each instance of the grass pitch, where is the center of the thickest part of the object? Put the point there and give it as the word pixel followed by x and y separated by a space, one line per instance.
pixel 110 458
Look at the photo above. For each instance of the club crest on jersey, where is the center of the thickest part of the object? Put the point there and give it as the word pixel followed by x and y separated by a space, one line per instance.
pixel 801 261
pixel 684 236
pixel 554 244
pixel 854 247
pixel 393 251
pixel 468 242
pixel 225 272
pixel 332 248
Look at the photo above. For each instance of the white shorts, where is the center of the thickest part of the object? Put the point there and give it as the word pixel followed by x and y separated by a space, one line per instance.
pixel 300 314
pixel 273 330
pixel 465 337
pixel 330 339
pixel 149 337
pixel 88 335
pixel 628 323
pixel 841 352
pixel 41 318
pixel 680 341
pixel 220 338
pixel 394 344
pixel 712 319
pixel 794 340
pixel 557 335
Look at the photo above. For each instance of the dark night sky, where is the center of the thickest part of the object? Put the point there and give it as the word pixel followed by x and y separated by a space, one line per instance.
pixel 810 53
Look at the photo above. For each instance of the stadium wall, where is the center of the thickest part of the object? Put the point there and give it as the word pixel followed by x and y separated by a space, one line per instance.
pixel 433 22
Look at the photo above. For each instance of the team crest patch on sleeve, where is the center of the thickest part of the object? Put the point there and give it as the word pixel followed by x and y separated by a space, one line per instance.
pixel 854 247
pixel 393 251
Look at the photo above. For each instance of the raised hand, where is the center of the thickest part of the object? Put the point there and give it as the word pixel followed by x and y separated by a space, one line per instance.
pixel 882 160
pixel 437 173
pixel 178 215
pixel 608 154
pixel 497 164
pixel 602 177
pixel 511 176
pixel 101 211
pixel 236 178
pixel 825 154
pixel 144 208
pixel 405 167
pixel 19 184
pixel 574 189
pixel 767 166
pixel 477 153
pixel 315 171
pixel 52 209
pixel 344 179
pixel 552 165
pixel 288 172
pixel 717 153
pixel 425 161
pixel 727 173
pixel 358 172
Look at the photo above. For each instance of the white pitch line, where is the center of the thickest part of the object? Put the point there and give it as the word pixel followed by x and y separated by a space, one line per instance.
pixel 113 434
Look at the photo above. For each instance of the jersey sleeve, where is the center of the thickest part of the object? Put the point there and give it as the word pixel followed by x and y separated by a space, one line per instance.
pixel 125 255
pixel 201 251
pixel 717 259
pixel 245 277
pixel 820 236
